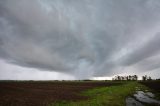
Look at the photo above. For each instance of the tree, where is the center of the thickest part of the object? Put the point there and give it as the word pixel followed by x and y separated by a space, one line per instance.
pixel 130 77
pixel 149 78
pixel 144 78
pixel 135 77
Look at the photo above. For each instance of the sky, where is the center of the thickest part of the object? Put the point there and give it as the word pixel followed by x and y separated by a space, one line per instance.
pixel 78 39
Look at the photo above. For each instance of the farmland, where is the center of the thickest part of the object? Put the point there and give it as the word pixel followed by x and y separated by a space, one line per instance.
pixel 68 93
pixel 154 86
pixel 40 93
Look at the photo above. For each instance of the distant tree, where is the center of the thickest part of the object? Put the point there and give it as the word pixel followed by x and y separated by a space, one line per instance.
pixel 130 77
pixel 144 78
pixel 119 78
pixel 122 78
pixel 135 77
pixel 149 78
pixel 127 78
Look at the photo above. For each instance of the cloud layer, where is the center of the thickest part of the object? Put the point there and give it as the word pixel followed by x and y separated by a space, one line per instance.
pixel 84 38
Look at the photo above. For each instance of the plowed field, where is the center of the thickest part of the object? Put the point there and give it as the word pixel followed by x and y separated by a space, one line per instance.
pixel 41 93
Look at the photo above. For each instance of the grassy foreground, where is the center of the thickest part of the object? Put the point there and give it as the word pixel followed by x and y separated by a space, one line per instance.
pixel 104 96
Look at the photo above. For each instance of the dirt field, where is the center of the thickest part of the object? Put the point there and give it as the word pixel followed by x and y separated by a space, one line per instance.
pixel 42 93
pixel 155 85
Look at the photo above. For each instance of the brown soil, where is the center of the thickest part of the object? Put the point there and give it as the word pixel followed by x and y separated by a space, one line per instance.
pixel 155 85
pixel 41 93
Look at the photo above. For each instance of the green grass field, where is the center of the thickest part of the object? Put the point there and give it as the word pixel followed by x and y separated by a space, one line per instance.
pixel 108 96
pixel 105 96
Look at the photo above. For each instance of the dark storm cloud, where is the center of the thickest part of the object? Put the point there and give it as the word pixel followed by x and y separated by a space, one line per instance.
pixel 151 63
pixel 84 37
pixel 150 48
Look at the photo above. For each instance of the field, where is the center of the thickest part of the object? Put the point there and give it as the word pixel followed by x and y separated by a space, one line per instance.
pixel 43 93
pixel 154 86
pixel 66 93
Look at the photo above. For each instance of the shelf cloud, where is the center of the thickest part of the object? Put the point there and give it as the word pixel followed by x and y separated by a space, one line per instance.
pixel 82 38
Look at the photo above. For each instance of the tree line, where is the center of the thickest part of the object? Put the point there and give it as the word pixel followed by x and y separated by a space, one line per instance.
pixel 130 78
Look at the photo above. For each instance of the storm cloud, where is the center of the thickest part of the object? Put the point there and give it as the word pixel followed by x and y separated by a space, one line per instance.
pixel 82 38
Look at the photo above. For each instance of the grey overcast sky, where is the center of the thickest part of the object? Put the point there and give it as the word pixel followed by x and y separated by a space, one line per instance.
pixel 79 39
